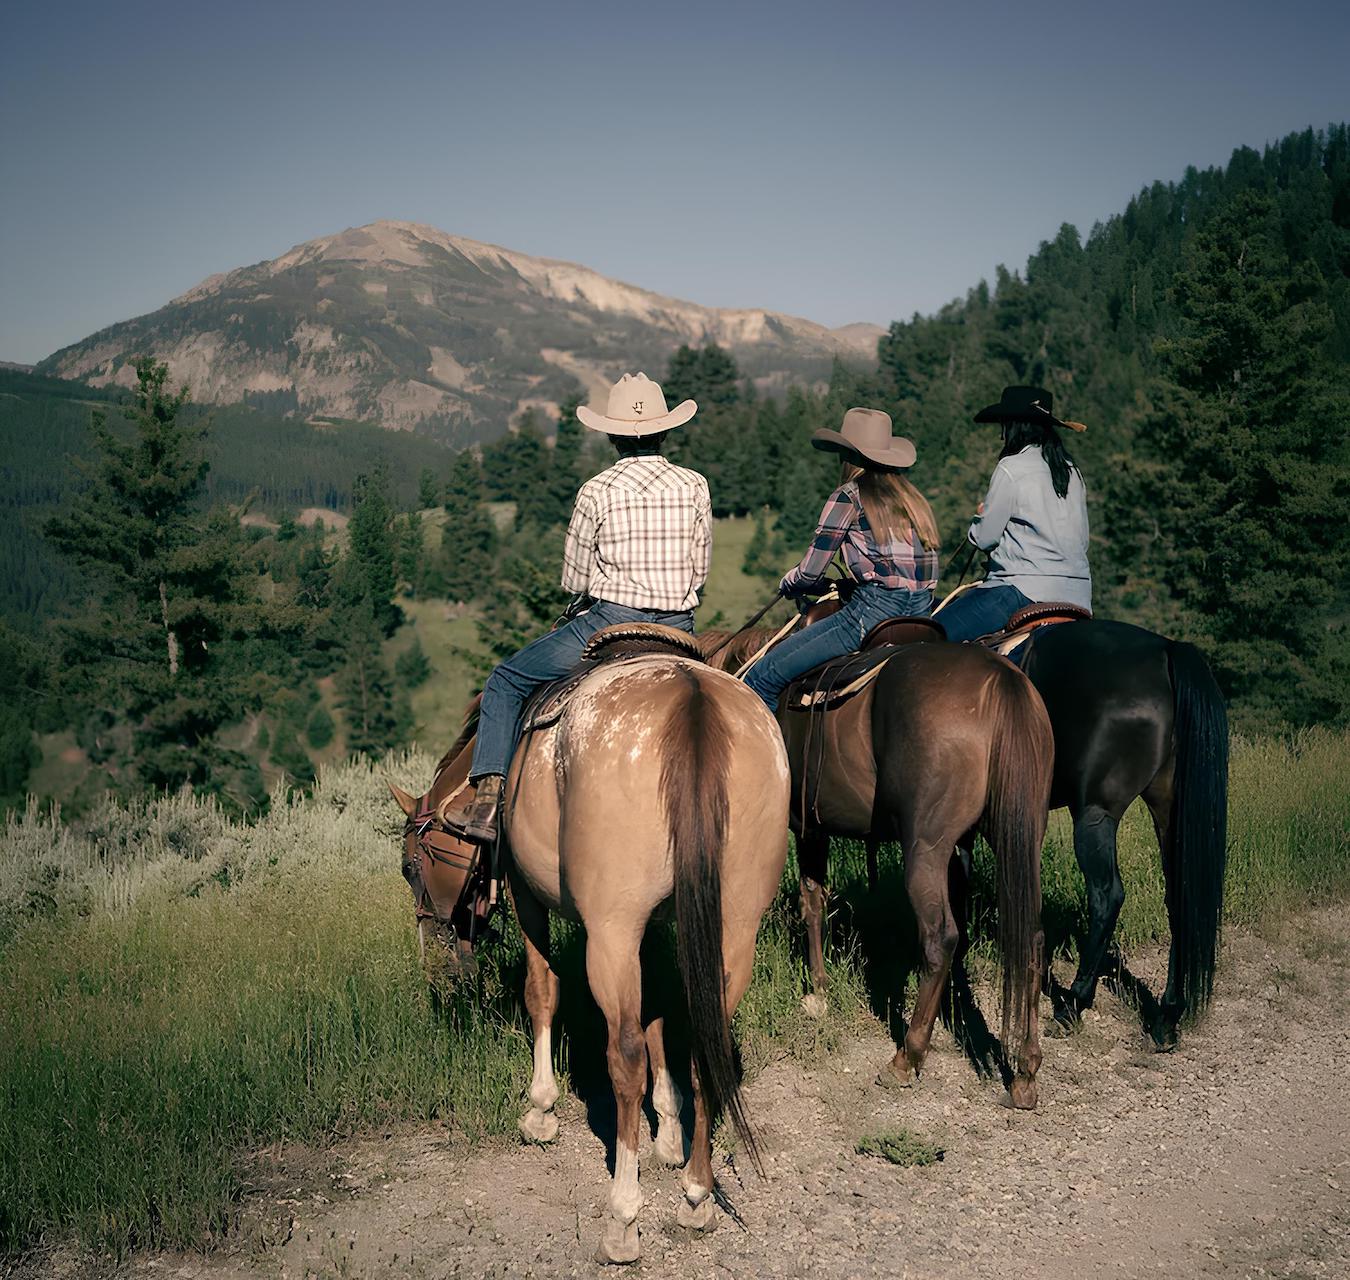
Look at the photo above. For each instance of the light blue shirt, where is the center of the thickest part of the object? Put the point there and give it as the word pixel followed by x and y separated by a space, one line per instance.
pixel 1038 541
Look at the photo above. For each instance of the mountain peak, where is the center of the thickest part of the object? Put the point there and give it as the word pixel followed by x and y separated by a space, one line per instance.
pixel 411 326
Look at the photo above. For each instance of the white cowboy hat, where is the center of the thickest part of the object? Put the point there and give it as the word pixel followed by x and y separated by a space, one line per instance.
pixel 636 408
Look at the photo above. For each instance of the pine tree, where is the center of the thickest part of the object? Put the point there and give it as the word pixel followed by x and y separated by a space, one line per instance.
pixel 366 690
pixel 468 536
pixel 411 667
pixel 369 562
pixel 1247 509
pixel 175 642
pixel 428 489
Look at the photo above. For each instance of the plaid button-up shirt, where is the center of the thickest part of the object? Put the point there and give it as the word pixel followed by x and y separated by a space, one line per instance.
pixel 641 535
pixel 843 522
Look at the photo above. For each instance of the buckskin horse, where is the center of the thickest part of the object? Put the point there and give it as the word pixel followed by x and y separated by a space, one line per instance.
pixel 1137 715
pixel 655 778
pixel 941 740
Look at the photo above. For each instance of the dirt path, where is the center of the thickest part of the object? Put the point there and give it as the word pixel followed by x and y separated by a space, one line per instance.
pixel 1229 1157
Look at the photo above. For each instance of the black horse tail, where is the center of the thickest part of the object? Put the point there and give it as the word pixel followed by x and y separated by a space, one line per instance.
pixel 1198 824
pixel 1021 764
pixel 696 754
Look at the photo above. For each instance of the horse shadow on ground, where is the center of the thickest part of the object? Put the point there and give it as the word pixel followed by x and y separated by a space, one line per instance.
pixel 880 927
pixel 580 1032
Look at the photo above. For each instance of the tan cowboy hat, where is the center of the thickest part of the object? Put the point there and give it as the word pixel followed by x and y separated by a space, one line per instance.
pixel 866 436
pixel 636 408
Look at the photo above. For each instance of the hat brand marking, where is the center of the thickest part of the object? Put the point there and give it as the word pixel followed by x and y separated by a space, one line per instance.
pixel 637 406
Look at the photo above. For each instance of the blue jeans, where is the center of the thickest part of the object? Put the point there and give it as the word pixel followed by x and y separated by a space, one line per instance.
pixel 839 634
pixel 977 612
pixel 550 657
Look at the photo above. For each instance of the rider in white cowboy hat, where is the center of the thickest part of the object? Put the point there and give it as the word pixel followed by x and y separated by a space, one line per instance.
pixel 638 549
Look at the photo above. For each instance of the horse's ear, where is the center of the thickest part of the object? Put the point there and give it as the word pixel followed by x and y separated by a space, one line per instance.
pixel 405 801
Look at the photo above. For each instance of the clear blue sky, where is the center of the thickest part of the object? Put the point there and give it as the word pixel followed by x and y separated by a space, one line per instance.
pixel 841 161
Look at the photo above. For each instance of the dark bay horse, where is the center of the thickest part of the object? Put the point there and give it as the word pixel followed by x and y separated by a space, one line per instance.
pixel 1138 715
pixel 945 740
pixel 661 782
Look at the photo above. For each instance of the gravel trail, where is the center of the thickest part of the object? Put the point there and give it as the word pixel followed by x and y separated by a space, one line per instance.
pixel 1228 1157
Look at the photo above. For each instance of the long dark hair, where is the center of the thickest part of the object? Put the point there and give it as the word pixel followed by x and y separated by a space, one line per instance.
pixel 1016 437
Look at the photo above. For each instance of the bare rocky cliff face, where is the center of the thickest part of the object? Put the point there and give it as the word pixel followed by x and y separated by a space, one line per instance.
pixel 402 324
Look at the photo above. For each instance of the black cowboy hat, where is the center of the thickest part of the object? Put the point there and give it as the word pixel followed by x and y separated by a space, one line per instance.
pixel 1026 404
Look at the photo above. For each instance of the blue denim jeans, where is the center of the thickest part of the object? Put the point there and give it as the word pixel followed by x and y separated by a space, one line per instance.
pixel 839 634
pixel 550 657
pixel 979 611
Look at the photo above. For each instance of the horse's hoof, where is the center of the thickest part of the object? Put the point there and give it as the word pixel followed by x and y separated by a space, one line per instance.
pixel 1067 1019
pixel 669 1146
pixel 618 1245
pixel 892 1077
pixel 1164 1036
pixel 815 1005
pixel 538 1126
pixel 1023 1093
pixel 698 1217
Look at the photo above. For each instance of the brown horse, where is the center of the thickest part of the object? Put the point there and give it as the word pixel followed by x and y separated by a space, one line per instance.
pixel 662 779
pixel 946 740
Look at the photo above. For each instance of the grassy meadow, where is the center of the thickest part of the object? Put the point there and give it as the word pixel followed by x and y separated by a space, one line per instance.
pixel 181 989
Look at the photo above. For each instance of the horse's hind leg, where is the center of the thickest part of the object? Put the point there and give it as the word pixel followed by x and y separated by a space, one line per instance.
pixel 926 879
pixel 539 1123
pixel 613 968
pixel 666 1099
pixel 1094 845
pixel 813 852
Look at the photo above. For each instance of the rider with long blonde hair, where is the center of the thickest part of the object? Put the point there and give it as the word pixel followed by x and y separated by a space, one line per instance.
pixel 889 540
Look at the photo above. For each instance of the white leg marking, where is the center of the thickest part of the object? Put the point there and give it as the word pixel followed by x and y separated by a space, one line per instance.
pixel 539 1124
pixel 669 1131
pixel 619 1241
pixel 544 1088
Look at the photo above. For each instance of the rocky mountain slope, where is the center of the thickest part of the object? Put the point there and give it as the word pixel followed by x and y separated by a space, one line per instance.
pixel 403 324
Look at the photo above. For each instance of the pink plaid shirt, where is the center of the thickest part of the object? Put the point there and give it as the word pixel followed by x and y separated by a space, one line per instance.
pixel 641 535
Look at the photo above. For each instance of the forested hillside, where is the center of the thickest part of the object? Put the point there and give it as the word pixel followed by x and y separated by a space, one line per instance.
pixel 1203 334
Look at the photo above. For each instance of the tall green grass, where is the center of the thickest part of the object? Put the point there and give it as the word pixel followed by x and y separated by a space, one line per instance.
pixel 179 989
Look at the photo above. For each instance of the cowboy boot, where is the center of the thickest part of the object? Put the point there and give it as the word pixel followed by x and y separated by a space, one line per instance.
pixel 480 824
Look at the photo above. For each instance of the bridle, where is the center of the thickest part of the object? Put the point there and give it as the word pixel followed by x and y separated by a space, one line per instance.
pixel 432 842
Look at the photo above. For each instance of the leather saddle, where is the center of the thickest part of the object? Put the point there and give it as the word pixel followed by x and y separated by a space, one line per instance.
pixel 1029 618
pixel 620 643
pixel 831 683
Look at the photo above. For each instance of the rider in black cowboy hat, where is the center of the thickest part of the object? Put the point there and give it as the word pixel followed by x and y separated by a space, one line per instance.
pixel 1033 521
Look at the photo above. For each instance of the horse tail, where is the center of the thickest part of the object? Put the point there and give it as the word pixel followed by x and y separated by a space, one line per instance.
pixel 1021 763
pixel 1198 823
pixel 696 759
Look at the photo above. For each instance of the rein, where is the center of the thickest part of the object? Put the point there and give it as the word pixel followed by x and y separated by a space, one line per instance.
pixel 708 657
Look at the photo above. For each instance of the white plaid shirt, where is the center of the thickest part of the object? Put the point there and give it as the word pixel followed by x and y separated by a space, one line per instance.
pixel 641 535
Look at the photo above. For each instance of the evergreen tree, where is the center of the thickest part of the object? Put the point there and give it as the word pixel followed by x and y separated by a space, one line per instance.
pixel 412 667
pixel 375 721
pixel 22 679
pixel 412 557
pixel 564 473
pixel 428 489
pixel 369 564
pixel 170 648
pixel 468 536
pixel 1246 502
